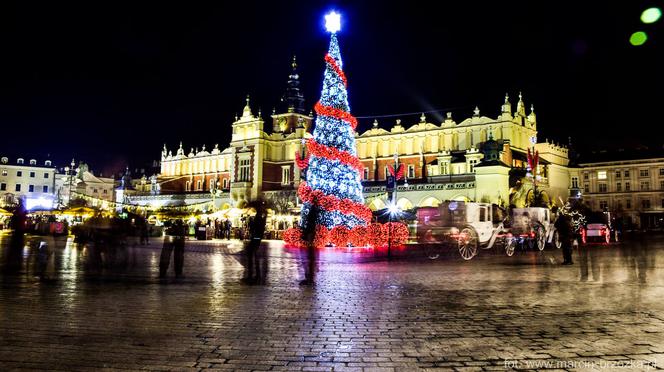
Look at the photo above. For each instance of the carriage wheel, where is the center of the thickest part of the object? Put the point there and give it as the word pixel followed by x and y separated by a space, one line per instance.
pixel 510 245
pixel 556 240
pixel 468 243
pixel 540 237
pixel 433 251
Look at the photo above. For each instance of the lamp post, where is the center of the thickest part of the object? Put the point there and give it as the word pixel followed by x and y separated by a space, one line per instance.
pixel 70 171
pixel 392 206
pixel 213 191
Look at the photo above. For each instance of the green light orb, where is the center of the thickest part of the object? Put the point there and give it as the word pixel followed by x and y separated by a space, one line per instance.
pixel 638 38
pixel 651 15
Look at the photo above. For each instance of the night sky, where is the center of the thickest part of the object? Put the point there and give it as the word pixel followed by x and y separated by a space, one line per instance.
pixel 109 83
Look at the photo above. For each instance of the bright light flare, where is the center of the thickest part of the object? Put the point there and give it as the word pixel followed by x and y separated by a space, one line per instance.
pixel 333 22
pixel 651 15
pixel 638 38
pixel 393 209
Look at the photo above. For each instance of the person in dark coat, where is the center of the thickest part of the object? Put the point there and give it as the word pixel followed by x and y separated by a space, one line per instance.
pixel 178 247
pixel 563 226
pixel 173 241
pixel 142 230
pixel 14 253
pixel 256 232
pixel 227 227
pixel 309 237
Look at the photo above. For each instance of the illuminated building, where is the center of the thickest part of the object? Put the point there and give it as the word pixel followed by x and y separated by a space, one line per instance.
pixel 28 180
pixel 479 159
pixel 629 184
pixel 80 183
pixel 257 162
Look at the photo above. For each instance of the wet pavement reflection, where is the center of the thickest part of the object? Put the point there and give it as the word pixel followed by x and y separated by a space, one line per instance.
pixel 67 306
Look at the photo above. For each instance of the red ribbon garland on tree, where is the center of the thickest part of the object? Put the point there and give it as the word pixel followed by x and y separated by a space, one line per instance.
pixel 331 153
pixel 335 113
pixel 375 234
pixel 335 67
pixel 332 203
pixel 301 163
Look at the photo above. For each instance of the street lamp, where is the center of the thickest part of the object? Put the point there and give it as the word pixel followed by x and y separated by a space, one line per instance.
pixel 393 210
pixel 70 171
pixel 214 190
pixel 392 207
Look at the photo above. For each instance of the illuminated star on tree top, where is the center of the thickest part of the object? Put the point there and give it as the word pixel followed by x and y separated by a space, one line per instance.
pixel 333 22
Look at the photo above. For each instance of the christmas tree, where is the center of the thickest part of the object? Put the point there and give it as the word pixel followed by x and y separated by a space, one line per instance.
pixel 333 172
pixel 332 189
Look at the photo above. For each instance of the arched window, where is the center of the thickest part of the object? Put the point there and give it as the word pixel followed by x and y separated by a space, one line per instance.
pixel 19 161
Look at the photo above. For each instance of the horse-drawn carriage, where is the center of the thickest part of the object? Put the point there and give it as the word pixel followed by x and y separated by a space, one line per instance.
pixel 468 226
pixel 533 227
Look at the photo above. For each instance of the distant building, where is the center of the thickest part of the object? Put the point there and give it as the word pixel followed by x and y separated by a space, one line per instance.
pixel 630 184
pixel 29 179
pixel 81 183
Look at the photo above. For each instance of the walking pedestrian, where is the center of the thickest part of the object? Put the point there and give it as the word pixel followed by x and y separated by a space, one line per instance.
pixel 142 227
pixel 563 226
pixel 256 232
pixel 309 237
pixel 227 228
pixel 173 241
pixel 178 246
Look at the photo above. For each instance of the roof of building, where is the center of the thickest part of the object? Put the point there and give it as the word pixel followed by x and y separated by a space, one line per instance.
pixel 601 156
pixel 26 161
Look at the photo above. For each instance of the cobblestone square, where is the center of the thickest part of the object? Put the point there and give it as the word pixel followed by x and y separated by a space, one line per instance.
pixel 364 313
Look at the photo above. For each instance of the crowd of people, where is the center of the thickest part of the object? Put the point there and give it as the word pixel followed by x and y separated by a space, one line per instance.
pixel 108 237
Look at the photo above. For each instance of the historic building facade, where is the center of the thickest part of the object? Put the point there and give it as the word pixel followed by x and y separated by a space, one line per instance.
pixel 77 182
pixel 449 161
pixel 29 179
pixel 479 159
pixel 628 184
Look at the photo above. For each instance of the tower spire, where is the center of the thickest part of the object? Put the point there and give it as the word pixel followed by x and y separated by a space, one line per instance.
pixel 246 112
pixel 293 97
pixel 520 106
pixel 507 106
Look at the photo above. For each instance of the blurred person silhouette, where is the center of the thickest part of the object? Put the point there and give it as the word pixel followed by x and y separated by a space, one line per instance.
pixel 173 241
pixel 14 254
pixel 142 227
pixel 309 237
pixel 563 226
pixel 227 228
pixel 253 252
pixel 18 223
pixel 43 255
pixel 589 262
pixel 618 228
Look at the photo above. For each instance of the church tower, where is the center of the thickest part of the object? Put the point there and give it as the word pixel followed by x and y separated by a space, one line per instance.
pixel 293 114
